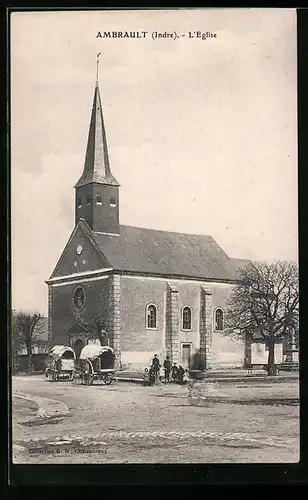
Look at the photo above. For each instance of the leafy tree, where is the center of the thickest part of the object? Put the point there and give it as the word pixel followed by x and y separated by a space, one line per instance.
pixel 102 334
pixel 265 304
pixel 98 329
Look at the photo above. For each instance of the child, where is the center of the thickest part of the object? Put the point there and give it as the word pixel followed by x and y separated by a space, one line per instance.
pixel 146 378
pixel 161 373
pixel 152 376
pixel 185 377
pixel 174 372
pixel 181 372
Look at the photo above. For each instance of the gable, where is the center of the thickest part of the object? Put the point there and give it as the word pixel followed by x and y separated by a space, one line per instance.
pixel 90 258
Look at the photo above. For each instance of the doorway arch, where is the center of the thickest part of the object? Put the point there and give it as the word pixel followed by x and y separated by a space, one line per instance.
pixel 78 346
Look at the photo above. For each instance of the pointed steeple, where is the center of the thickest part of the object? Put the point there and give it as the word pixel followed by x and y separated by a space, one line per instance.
pixel 96 166
pixel 97 191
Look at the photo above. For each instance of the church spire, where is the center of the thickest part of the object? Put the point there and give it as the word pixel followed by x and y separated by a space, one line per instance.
pixel 96 166
pixel 97 191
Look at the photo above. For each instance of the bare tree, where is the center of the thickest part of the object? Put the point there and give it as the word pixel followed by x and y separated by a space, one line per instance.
pixel 265 304
pixel 26 327
pixel 15 342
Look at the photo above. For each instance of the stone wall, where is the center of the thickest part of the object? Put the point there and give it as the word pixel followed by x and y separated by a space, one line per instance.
pixel 49 316
pixel 172 324
pixel 139 343
pixel 114 315
pixel 63 317
pixel 206 325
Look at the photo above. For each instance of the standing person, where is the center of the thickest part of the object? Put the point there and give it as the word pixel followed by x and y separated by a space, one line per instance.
pixel 181 372
pixel 167 367
pixel 196 374
pixel 156 366
pixel 174 372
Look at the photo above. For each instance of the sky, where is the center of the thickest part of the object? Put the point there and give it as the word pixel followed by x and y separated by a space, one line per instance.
pixel 202 134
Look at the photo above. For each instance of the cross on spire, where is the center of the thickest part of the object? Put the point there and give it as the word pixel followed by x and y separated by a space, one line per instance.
pixel 97 63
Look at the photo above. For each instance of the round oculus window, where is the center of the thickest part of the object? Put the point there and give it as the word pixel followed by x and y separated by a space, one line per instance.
pixel 79 298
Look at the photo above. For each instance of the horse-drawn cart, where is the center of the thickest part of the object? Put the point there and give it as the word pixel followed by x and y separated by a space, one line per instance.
pixel 61 363
pixel 97 362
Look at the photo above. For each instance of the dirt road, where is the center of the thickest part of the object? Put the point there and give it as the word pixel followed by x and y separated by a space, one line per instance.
pixel 65 422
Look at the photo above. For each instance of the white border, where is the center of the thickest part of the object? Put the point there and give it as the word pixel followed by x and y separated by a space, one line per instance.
pixel 76 275
pixel 72 282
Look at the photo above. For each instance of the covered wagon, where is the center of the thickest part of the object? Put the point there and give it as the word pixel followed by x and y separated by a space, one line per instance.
pixel 61 363
pixel 97 363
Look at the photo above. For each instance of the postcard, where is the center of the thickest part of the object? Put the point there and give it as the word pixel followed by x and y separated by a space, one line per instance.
pixel 154 236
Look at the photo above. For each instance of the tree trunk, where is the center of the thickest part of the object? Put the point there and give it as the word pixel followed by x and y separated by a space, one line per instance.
pixel 29 353
pixel 271 368
pixel 103 337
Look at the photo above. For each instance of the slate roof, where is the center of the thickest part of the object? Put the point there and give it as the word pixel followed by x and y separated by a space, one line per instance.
pixel 149 251
pixel 96 166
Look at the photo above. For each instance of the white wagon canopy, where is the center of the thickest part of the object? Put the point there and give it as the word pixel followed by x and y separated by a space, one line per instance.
pixel 94 351
pixel 62 351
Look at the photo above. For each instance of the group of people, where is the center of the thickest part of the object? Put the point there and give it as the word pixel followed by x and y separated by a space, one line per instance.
pixel 157 372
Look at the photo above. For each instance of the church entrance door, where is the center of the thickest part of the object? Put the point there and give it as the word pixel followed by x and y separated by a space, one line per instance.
pixel 186 353
pixel 78 346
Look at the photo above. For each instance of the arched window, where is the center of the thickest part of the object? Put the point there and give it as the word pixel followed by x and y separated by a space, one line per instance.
pixel 186 318
pixel 151 316
pixel 219 320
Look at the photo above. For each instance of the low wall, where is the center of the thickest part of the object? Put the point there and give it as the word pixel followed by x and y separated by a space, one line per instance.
pixel 38 361
pixel 139 360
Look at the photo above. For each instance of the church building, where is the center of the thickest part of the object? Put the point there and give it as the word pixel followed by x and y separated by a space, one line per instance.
pixel 149 291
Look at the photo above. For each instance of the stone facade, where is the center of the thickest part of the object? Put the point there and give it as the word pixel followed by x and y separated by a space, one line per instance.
pixel 50 336
pixel 121 302
pixel 206 325
pixel 114 315
pixel 68 325
pixel 172 324
pixel 100 216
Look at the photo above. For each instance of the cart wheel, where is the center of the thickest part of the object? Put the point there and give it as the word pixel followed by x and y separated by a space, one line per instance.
pixel 107 379
pixel 87 379
pixel 84 378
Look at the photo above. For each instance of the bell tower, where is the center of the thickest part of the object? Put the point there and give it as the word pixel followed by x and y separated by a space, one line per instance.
pixel 97 191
